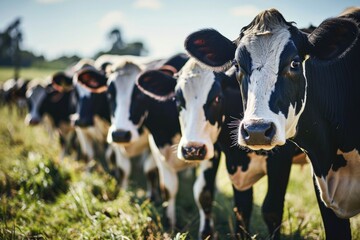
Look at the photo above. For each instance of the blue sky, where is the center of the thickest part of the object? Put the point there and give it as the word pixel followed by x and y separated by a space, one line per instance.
pixel 57 27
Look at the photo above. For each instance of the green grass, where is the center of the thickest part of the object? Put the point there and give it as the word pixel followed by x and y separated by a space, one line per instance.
pixel 42 198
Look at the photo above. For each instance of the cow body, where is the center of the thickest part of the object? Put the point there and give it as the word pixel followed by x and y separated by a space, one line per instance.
pixel 55 106
pixel 161 119
pixel 301 87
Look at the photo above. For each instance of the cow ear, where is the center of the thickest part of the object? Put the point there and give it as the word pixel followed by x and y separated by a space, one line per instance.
pixel 332 38
pixel 92 79
pixel 211 48
pixel 157 85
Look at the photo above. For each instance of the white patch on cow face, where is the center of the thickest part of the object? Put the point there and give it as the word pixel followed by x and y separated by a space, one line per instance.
pixel 195 84
pixel 340 190
pixel 243 180
pixel 36 96
pixel 124 81
pixel 265 51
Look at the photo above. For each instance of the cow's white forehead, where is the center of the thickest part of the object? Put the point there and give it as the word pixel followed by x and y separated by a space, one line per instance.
pixel 124 79
pixel 265 51
pixel 195 81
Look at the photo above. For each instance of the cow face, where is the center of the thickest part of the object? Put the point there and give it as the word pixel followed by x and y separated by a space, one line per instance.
pixel 270 56
pixel 199 101
pixel 121 83
pixel 35 97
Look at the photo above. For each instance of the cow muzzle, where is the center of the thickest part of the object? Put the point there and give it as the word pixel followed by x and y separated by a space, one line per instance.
pixel 194 151
pixel 121 136
pixel 84 123
pixel 32 121
pixel 257 132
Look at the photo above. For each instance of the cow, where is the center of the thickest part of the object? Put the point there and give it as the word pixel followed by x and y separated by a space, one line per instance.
pixel 13 93
pixel 209 104
pixel 56 101
pixel 303 87
pixel 161 119
pixel 92 125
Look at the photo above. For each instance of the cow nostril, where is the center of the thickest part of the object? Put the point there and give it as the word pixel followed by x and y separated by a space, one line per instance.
pixel 244 133
pixel 202 151
pixel 270 132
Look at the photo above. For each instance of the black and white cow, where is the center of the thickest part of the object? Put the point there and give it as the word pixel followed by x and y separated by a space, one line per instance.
pixel 94 118
pixel 209 104
pixel 56 101
pixel 161 119
pixel 13 94
pixel 301 87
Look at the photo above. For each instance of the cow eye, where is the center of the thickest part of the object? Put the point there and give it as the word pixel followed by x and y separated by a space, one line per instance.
pixel 217 100
pixel 295 64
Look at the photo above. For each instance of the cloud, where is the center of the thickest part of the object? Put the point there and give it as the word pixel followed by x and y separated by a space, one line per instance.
pixel 149 4
pixel 112 19
pixel 50 1
pixel 245 11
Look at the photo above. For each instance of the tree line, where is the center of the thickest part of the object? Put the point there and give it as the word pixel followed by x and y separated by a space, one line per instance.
pixel 12 54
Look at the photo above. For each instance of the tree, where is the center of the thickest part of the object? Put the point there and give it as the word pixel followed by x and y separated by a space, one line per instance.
pixel 119 47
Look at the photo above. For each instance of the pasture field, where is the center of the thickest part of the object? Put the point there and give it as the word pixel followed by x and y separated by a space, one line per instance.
pixel 43 198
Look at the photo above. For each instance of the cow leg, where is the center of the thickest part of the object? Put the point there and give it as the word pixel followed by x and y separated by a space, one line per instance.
pixel 122 166
pixel 335 228
pixel 152 175
pixel 169 184
pixel 204 195
pixel 243 207
pixel 278 171
pixel 85 145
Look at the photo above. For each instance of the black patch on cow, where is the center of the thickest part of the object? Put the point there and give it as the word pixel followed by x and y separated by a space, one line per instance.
pixel 138 106
pixel 290 83
pixel 162 116
pixel 95 104
pixel 214 103
pixel 111 95
pixel 243 70
pixel 180 100
pixel 338 163
pixel 60 109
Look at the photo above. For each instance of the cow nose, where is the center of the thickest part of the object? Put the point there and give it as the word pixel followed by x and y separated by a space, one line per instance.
pixel 34 121
pixel 83 123
pixel 121 136
pixel 258 132
pixel 194 151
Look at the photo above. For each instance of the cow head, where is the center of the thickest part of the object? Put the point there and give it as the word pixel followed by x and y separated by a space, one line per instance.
pixel 91 92
pixel 121 84
pixel 198 98
pixel 35 97
pixel 270 56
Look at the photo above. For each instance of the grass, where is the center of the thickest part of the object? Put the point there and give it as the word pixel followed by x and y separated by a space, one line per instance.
pixel 42 198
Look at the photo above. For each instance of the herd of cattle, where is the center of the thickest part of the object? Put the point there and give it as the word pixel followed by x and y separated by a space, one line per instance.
pixel 298 90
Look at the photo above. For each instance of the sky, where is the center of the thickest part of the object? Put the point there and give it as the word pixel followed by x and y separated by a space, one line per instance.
pixel 66 27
